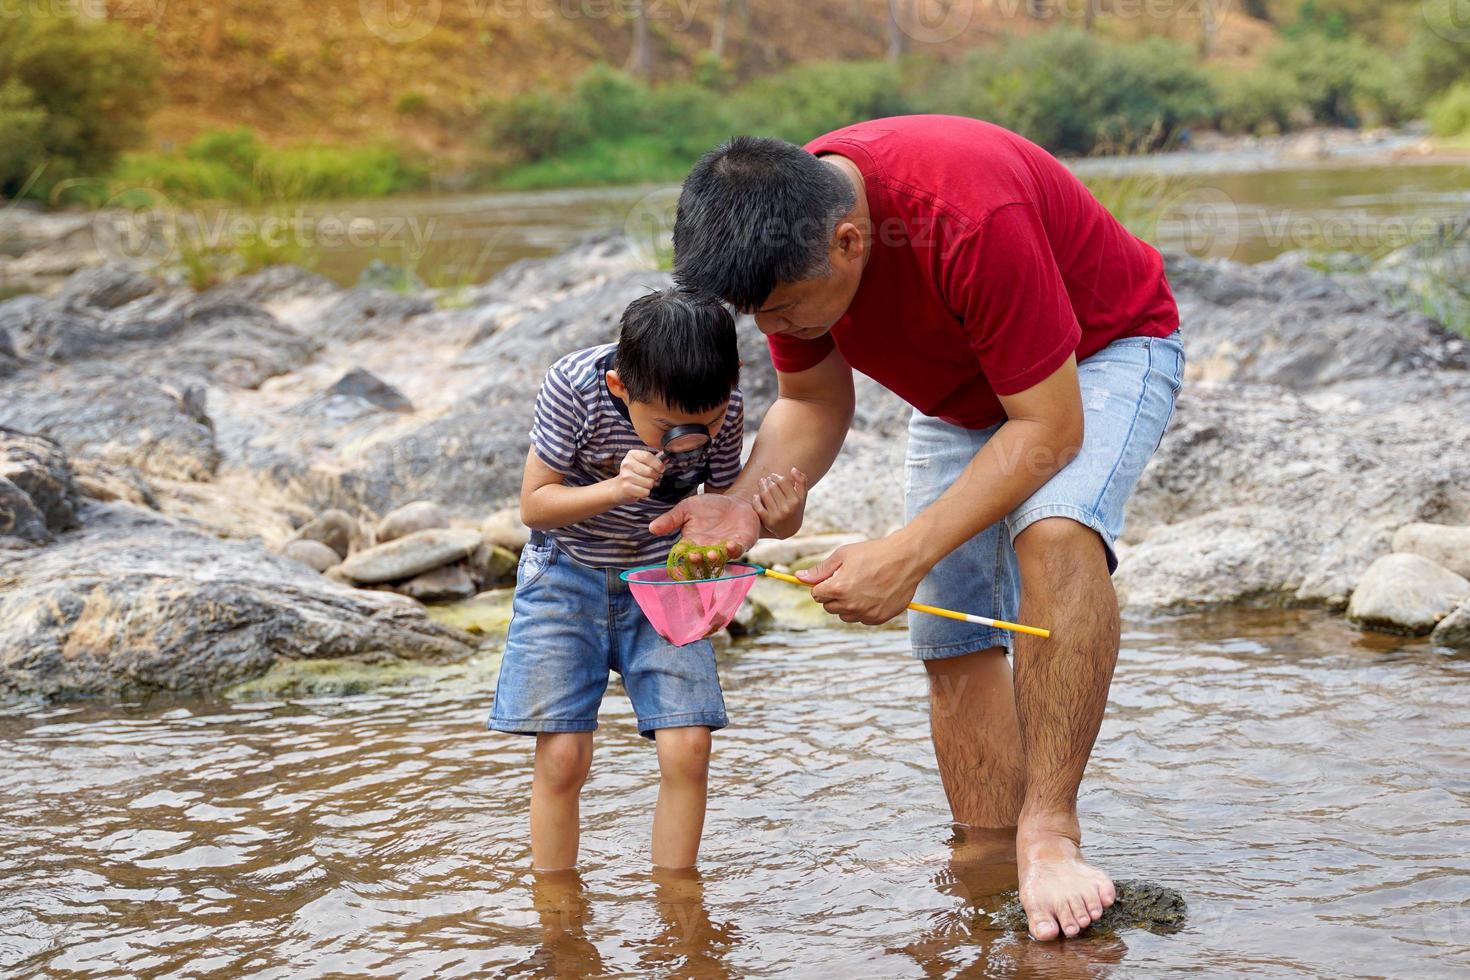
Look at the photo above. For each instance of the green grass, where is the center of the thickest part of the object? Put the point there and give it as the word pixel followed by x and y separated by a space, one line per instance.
pixel 635 160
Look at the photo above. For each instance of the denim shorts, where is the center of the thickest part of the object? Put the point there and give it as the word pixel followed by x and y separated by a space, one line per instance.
pixel 1128 391
pixel 572 625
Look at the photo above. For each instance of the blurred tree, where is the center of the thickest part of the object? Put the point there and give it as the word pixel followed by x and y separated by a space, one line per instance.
pixel 898 37
pixel 722 24
pixel 640 58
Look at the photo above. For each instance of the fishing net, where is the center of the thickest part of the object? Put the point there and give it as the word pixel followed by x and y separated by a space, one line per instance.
pixel 684 611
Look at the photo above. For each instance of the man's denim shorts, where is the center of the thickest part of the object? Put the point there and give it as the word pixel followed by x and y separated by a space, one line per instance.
pixel 1128 391
pixel 570 626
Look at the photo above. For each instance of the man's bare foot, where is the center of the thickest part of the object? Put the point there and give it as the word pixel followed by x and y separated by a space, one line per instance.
pixel 1061 893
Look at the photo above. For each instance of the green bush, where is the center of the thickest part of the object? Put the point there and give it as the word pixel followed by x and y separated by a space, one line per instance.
pixel 804 102
pixel 1260 102
pixel 1328 73
pixel 1075 93
pixel 76 94
pixel 1449 113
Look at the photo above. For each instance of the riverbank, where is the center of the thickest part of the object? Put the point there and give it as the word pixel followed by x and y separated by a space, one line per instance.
pixel 187 445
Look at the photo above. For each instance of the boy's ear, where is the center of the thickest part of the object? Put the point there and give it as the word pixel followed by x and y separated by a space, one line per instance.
pixel 616 386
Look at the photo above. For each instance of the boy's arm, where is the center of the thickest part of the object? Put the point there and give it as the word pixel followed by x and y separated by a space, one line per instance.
pixel 547 503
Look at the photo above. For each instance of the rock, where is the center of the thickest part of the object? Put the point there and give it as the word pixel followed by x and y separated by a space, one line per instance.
pixel 37 468
pixel 1406 594
pixel 492 565
pixel 1454 630
pixel 313 554
pixel 447 584
pixel 107 287
pixel 368 387
pixel 333 528
pixel 380 275
pixel 21 522
pixel 751 619
pixel 366 314
pixel 771 552
pixel 1258 494
pixel 105 482
pixel 408 556
pixel 487 614
pixel 132 602
pixel 1447 545
pixel 421 515
pixel 1139 905
pixel 504 529
pixel 275 284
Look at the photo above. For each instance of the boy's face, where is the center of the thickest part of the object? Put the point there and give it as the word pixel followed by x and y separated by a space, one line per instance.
pixel 653 419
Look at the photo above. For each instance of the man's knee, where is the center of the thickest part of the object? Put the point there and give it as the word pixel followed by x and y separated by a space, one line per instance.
pixel 1060 543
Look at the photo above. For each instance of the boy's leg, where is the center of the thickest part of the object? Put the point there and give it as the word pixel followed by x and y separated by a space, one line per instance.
pixel 678 820
pixel 562 762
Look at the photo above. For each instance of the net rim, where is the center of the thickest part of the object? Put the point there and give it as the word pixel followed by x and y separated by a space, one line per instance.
pixel 750 570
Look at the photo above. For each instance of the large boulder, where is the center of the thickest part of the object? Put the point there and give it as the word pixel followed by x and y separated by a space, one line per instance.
pixel 1443 544
pixel 133 602
pixel 1406 594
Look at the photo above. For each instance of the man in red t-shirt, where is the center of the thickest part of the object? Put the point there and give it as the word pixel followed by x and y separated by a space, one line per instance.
pixel 968 271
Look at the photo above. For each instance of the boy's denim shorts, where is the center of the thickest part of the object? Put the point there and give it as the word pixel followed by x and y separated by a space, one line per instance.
pixel 1128 391
pixel 570 626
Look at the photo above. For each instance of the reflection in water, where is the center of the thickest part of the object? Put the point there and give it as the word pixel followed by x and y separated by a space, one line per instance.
pixel 1303 786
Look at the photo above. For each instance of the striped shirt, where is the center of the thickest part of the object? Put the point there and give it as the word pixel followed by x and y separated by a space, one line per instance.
pixel 583 432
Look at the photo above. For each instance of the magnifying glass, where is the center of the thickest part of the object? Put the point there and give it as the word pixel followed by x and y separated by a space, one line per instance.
pixel 683 439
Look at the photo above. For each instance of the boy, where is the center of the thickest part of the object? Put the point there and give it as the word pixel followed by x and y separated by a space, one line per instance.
pixel 594 480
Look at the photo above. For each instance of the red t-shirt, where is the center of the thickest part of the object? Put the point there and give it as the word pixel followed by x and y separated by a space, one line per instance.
pixel 990 264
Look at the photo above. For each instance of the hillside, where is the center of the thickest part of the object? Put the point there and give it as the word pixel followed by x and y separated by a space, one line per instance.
pixel 415 70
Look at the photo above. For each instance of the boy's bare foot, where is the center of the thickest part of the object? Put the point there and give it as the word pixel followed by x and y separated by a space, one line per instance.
pixel 1061 893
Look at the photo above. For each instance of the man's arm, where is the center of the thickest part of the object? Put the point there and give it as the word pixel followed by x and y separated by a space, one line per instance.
pixel 873 581
pixel 805 429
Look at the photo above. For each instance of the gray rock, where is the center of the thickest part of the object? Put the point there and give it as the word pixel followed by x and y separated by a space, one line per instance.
pixel 117 417
pixel 21 521
pixel 492 565
pixel 1444 544
pixel 1454 630
pixel 751 619
pixel 447 584
pixel 368 387
pixel 364 314
pixel 106 287
pixel 38 469
pixel 312 554
pixel 776 551
pixel 333 528
pixel 133 602
pixel 504 529
pixel 273 284
pixel 421 515
pixel 105 482
pixel 419 552
pixel 381 275
pixel 1406 594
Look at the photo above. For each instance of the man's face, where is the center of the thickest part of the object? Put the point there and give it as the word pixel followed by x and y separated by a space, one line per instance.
pixel 808 309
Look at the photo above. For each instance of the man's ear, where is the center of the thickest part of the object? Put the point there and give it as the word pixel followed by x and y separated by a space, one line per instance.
pixel 847 241
pixel 616 386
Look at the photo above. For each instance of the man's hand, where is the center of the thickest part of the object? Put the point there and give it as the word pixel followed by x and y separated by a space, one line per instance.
pixel 869 582
pixel 636 476
pixel 781 502
pixel 712 518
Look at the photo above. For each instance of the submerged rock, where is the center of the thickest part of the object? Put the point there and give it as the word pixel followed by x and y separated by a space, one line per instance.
pixel 408 556
pixel 134 602
pixel 1139 905
pixel 1406 594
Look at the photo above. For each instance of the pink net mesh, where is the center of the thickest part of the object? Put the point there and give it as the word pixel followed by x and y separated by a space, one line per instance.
pixel 683 612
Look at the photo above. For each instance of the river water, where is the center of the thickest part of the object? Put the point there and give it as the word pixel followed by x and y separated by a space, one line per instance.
pixel 1246 206
pixel 1306 787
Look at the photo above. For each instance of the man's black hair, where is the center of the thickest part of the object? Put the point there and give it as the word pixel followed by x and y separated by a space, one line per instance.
pixel 755 212
pixel 679 348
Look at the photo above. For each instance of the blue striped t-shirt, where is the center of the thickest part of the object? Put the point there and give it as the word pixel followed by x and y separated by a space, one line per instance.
pixel 583 432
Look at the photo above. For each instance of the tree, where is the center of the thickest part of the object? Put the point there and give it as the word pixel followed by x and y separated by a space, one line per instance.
pixel 898 38
pixel 640 59
pixel 722 24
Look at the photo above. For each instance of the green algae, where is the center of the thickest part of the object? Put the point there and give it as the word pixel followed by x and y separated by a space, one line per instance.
pixel 689 562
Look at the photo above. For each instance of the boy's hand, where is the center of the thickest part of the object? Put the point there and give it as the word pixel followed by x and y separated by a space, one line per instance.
pixel 781 502
pixel 637 476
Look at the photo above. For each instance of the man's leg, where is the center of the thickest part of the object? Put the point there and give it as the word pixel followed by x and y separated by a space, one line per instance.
pixel 977 741
pixel 1061 692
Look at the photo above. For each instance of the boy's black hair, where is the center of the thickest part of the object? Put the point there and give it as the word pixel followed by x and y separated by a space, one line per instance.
pixel 755 212
pixel 678 347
